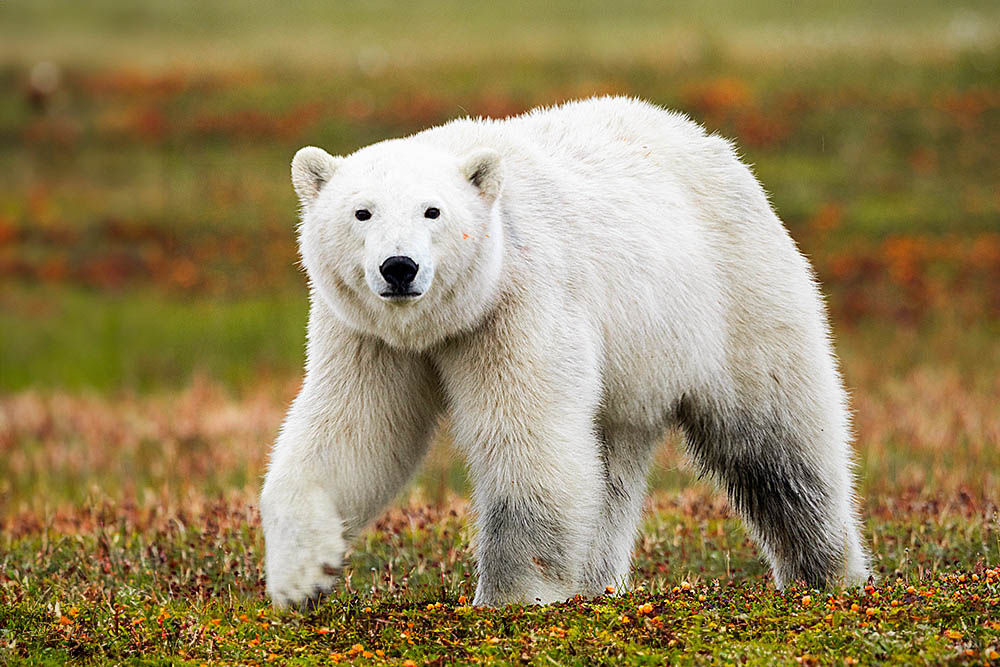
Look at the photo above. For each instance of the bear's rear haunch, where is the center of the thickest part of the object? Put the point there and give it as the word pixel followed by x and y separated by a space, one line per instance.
pixel 567 285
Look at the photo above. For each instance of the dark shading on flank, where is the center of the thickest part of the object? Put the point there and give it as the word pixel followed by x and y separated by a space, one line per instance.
pixel 759 462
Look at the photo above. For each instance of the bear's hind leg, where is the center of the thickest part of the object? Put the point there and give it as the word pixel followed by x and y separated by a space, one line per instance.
pixel 795 495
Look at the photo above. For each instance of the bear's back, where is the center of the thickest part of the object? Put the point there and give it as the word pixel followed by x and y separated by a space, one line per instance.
pixel 605 135
pixel 608 149
pixel 607 123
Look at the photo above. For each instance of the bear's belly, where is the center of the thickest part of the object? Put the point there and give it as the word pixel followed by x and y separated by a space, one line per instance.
pixel 651 359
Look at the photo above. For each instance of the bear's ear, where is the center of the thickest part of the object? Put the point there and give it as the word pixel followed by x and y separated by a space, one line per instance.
pixel 311 169
pixel 483 169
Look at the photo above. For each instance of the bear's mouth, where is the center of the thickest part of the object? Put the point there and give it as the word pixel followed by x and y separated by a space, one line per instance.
pixel 400 296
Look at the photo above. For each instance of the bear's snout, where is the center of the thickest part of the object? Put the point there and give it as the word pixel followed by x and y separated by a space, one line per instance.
pixel 399 272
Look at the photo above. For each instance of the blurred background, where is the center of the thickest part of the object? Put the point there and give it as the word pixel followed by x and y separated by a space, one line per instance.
pixel 152 312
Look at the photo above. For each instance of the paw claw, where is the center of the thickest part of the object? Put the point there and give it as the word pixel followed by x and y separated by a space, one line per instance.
pixel 304 559
pixel 313 602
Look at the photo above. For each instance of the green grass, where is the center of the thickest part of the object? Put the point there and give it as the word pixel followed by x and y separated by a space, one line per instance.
pixel 76 339
pixel 188 589
pixel 313 33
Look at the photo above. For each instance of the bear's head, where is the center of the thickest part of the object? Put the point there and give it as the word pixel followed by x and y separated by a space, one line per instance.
pixel 402 240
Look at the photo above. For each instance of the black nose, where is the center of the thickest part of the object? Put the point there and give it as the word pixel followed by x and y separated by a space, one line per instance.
pixel 399 272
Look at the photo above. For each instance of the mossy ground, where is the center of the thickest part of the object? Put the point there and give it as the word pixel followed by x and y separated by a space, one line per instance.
pixel 130 583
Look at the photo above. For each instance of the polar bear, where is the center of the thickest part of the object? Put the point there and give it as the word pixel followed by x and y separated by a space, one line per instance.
pixel 566 285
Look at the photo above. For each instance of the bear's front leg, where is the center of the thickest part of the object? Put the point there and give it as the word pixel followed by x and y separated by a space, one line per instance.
pixel 303 533
pixel 522 400
pixel 352 438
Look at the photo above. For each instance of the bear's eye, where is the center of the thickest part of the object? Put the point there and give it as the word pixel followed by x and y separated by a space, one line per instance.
pixel 432 213
pixel 362 214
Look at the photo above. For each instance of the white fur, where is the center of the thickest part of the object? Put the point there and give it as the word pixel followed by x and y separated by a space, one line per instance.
pixel 594 266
